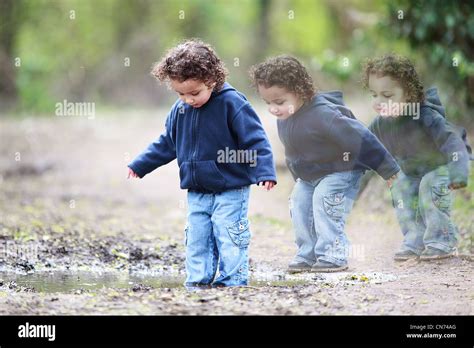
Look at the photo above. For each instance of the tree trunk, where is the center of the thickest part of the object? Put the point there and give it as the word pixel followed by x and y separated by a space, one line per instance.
pixel 262 40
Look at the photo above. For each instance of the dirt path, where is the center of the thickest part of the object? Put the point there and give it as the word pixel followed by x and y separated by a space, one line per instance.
pixel 77 238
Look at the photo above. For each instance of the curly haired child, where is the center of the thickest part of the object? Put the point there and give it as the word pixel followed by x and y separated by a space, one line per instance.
pixel 327 151
pixel 210 117
pixel 431 152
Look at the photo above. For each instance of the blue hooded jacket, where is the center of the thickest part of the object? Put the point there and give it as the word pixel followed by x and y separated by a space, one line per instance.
pixel 208 143
pixel 324 137
pixel 422 144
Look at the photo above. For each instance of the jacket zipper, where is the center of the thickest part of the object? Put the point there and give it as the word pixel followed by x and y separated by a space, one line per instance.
pixel 194 141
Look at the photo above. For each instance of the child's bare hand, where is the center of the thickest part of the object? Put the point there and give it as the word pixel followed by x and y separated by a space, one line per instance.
pixel 457 185
pixel 268 185
pixel 132 174
pixel 391 180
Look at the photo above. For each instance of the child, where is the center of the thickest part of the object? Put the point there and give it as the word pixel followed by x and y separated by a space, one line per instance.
pixel 432 155
pixel 327 151
pixel 210 119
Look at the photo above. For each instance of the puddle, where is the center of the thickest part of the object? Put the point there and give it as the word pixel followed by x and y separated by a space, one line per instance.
pixel 51 282
pixel 346 277
pixel 265 272
pixel 70 281
pixel 67 282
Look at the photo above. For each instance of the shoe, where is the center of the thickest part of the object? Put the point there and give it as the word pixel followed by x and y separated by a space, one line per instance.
pixel 194 287
pixel 323 266
pixel 297 267
pixel 405 255
pixel 218 285
pixel 435 254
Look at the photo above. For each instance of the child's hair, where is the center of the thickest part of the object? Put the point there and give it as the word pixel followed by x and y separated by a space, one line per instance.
pixel 286 72
pixel 192 59
pixel 398 68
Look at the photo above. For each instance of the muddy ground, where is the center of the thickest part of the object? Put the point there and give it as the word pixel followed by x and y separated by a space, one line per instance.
pixel 77 237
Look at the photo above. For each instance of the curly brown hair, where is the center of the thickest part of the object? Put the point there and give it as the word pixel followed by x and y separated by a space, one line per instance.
pixel 286 72
pixel 398 68
pixel 191 59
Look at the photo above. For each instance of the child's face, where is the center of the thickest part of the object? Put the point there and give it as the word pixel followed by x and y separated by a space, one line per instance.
pixel 383 89
pixel 192 92
pixel 281 103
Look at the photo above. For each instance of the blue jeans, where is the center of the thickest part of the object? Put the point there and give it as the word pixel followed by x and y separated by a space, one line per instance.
pixel 318 211
pixel 217 237
pixel 423 207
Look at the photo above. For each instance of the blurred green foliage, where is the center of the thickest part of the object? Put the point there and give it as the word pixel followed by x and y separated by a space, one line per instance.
pixel 78 49
pixel 442 32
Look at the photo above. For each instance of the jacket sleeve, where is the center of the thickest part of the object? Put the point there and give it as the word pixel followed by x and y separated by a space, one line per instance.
pixel 355 138
pixel 158 153
pixel 450 143
pixel 251 136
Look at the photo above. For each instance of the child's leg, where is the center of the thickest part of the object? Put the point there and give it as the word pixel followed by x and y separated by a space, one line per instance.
pixel 301 210
pixel 405 201
pixel 232 233
pixel 435 208
pixel 201 248
pixel 333 198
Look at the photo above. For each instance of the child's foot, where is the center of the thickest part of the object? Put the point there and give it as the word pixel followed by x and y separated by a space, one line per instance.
pixel 435 254
pixel 297 267
pixel 217 285
pixel 194 287
pixel 405 255
pixel 323 266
